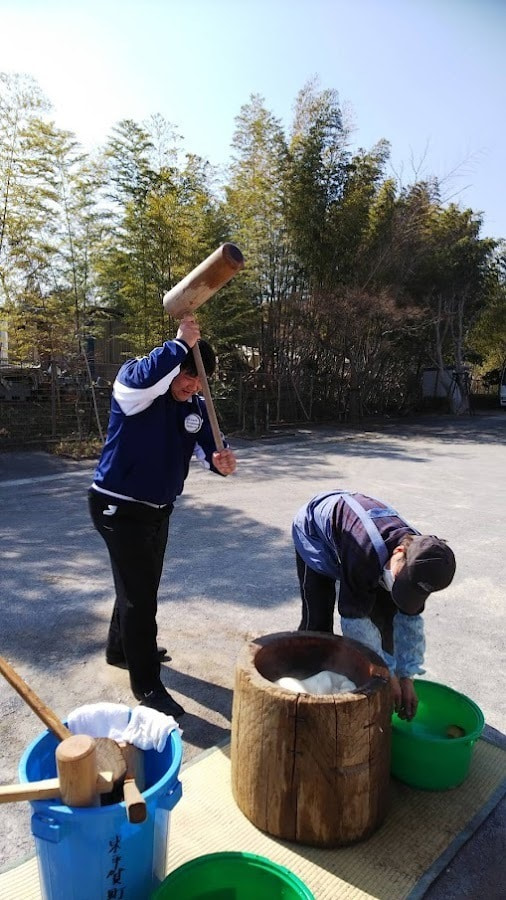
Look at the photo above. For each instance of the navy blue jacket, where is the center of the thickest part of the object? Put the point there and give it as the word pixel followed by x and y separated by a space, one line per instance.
pixel 332 540
pixel 151 437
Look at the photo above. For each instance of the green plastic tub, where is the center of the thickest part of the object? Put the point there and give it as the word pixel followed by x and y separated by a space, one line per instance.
pixel 232 876
pixel 434 750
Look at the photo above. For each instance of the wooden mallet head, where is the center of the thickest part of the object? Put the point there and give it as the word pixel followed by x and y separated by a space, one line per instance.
pixel 205 280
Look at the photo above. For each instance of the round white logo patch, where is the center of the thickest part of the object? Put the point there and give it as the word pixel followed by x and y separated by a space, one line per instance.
pixel 193 423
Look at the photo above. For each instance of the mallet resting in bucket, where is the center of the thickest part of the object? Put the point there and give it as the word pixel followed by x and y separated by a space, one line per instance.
pixel 106 754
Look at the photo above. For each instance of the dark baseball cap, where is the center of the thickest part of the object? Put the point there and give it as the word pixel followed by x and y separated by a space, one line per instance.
pixel 430 566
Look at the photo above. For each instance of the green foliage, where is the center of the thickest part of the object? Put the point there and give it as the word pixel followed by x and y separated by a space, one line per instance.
pixel 47 229
pixel 319 165
pixel 348 278
pixel 488 335
pixel 255 208
pixel 166 219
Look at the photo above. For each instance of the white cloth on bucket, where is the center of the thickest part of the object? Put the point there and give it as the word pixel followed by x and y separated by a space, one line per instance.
pixel 325 682
pixel 146 728
pixel 149 728
pixel 100 720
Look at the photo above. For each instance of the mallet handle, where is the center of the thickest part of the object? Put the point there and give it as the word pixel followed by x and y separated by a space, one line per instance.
pixel 213 420
pixel 44 713
pixel 35 790
pixel 47 789
pixel 134 781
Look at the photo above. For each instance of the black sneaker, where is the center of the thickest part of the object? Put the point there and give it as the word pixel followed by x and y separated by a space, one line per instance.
pixel 121 663
pixel 161 700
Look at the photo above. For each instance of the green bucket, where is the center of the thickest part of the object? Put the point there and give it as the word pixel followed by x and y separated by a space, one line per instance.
pixel 232 876
pixel 434 750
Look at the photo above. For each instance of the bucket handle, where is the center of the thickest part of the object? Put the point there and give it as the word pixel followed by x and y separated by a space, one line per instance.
pixel 46 828
pixel 168 801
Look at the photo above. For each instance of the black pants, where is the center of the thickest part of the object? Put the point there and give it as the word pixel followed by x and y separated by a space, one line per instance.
pixel 136 538
pixel 318 594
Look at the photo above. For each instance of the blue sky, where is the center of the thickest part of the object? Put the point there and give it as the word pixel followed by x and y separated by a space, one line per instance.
pixel 427 75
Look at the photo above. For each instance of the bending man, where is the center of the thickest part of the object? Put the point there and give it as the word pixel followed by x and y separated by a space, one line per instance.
pixel 384 569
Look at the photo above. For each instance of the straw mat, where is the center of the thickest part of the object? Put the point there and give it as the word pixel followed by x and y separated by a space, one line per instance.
pixel 419 828
pixel 422 832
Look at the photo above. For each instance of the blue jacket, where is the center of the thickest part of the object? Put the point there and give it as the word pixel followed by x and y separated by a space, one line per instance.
pixel 151 437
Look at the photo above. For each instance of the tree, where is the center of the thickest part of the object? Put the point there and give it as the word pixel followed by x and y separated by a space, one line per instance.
pixel 50 231
pixel 20 101
pixel 319 162
pixel 452 283
pixel 488 335
pixel 165 219
pixel 255 209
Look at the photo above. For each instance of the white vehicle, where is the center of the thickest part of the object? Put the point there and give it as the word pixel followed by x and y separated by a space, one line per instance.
pixel 502 388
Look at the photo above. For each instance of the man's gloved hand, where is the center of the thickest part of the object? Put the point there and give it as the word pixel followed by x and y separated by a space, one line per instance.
pixel 404 698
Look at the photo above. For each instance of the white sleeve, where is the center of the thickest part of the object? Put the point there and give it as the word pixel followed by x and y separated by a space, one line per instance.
pixel 133 400
pixel 140 381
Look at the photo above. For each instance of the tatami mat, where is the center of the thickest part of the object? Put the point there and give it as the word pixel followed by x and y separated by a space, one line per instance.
pixel 420 826
pixel 396 863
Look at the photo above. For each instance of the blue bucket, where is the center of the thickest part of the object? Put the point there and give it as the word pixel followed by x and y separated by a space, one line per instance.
pixel 95 853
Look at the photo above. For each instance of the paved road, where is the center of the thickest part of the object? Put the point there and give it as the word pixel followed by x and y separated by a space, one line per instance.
pixel 230 574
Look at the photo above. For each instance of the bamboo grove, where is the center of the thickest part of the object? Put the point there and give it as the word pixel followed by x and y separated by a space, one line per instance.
pixel 354 282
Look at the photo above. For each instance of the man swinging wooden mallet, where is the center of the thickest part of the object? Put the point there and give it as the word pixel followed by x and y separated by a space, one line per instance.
pixel 158 421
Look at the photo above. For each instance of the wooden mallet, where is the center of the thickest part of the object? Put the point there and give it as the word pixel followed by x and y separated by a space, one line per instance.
pixel 78 782
pixel 75 759
pixel 190 293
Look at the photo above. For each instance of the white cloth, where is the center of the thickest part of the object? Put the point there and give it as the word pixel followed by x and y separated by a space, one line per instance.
pixel 100 720
pixel 149 728
pixel 146 728
pixel 325 682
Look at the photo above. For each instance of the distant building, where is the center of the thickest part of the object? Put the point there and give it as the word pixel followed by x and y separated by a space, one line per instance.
pixel 440 383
